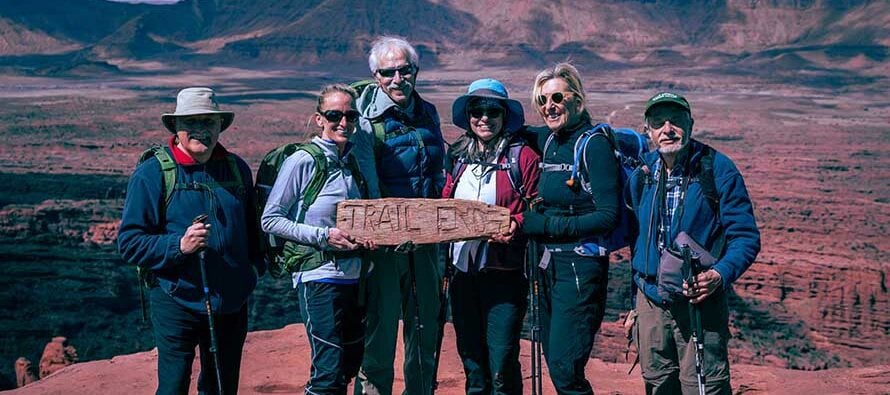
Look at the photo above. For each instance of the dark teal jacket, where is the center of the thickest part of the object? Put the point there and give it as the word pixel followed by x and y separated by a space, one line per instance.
pixel 149 233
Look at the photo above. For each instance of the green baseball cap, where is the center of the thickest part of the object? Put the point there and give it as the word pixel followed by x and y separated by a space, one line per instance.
pixel 667 97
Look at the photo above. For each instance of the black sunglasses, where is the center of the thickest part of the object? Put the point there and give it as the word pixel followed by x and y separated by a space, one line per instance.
pixel 405 70
pixel 336 115
pixel 557 98
pixel 491 112
pixel 676 120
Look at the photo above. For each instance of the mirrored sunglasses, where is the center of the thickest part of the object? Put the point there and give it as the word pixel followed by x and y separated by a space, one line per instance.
pixel 336 115
pixel 405 70
pixel 556 97
pixel 491 112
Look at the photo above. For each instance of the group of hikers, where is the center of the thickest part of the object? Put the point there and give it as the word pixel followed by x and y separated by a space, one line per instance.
pixel 192 224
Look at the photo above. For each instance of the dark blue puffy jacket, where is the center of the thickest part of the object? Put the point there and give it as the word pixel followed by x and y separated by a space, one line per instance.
pixel 410 161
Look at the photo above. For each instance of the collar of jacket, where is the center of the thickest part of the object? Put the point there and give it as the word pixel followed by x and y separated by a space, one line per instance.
pixel 374 103
pixel 330 148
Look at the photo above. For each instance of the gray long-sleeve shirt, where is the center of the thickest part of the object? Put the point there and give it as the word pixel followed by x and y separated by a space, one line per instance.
pixel 285 201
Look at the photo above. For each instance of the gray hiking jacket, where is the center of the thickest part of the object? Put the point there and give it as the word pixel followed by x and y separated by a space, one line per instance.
pixel 286 198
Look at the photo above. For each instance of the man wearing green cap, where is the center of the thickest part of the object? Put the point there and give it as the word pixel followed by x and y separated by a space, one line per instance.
pixel 686 195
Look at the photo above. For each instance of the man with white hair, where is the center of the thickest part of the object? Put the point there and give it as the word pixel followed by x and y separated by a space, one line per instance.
pixel 408 150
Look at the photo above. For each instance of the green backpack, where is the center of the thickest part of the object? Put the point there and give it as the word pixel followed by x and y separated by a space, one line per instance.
pixel 283 256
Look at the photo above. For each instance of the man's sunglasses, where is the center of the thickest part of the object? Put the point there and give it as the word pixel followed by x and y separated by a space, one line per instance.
pixel 405 70
pixel 198 122
pixel 335 116
pixel 557 98
pixel 676 120
pixel 491 112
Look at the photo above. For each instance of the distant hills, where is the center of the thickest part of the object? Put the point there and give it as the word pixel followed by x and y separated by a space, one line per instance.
pixel 62 36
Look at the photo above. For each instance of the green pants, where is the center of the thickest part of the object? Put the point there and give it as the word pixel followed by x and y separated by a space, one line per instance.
pixel 667 357
pixel 573 302
pixel 390 297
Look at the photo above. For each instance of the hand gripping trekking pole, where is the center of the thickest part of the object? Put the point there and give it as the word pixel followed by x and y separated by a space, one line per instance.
pixel 214 349
pixel 697 335
pixel 534 311
pixel 408 247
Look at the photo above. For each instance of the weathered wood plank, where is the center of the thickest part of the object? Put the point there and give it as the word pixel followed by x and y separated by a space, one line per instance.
pixel 392 221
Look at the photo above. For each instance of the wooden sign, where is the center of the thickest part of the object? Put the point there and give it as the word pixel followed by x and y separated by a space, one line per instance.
pixel 393 221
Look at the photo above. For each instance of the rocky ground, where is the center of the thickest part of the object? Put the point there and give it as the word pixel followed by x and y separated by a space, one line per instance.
pixel 276 362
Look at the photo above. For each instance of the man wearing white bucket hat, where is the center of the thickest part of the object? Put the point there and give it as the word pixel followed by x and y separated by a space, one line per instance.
pixel 189 225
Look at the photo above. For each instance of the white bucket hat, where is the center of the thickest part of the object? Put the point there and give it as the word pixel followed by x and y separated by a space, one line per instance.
pixel 196 101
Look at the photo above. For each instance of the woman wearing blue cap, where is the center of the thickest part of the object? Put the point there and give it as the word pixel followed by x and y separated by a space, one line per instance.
pixel 491 164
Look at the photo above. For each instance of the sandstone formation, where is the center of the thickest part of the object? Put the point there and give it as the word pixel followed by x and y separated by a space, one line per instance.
pixel 24 372
pixel 56 355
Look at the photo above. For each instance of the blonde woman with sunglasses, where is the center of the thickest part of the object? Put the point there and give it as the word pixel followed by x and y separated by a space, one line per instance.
pixel 578 199
pixel 328 277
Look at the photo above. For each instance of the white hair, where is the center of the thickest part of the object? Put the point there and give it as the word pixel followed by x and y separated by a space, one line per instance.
pixel 384 44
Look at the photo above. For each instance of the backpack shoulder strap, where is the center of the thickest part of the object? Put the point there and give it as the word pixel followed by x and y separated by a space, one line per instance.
pixel 514 171
pixel 457 170
pixel 711 195
pixel 706 178
pixel 168 169
pixel 319 177
pixel 580 152
pixel 352 164
pixel 379 135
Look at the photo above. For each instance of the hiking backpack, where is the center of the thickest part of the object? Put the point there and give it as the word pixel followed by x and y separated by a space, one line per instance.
pixel 272 247
pixel 628 146
pixel 514 171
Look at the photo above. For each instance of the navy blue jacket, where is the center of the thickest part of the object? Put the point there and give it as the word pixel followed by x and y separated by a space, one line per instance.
pixel 149 234
pixel 735 221
pixel 410 161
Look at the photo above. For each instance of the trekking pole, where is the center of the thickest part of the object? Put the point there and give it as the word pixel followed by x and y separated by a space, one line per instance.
pixel 696 335
pixel 443 315
pixel 408 247
pixel 537 373
pixel 210 321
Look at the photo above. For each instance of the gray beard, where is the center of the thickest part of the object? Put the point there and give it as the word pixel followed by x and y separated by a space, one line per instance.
pixel 671 150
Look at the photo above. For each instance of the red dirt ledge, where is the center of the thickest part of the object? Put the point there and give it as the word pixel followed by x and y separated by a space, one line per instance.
pixel 277 362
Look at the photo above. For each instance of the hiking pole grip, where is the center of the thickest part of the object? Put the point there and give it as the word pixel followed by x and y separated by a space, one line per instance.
pixel 214 349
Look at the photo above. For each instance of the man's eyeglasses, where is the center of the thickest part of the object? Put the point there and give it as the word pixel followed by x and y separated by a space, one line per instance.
pixel 335 116
pixel 657 122
pixel 557 98
pixel 405 70
pixel 491 112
